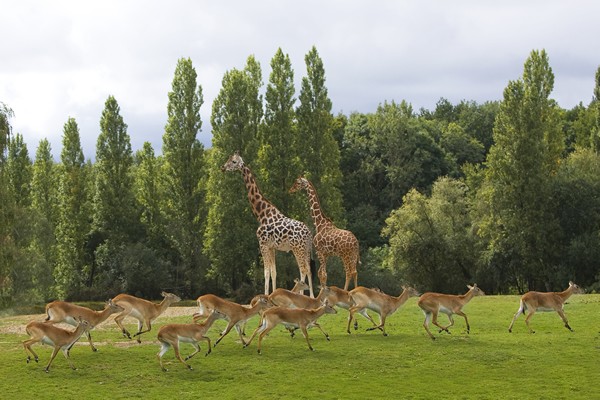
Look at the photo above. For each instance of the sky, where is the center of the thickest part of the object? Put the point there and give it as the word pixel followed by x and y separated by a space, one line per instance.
pixel 62 59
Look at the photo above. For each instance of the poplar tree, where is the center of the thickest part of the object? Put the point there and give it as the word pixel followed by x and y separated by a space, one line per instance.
pixel 73 216
pixel 318 149
pixel 184 176
pixel 517 217
pixel 278 156
pixel 230 239
pixel 44 192
pixel 7 212
pixel 595 106
pixel 115 214
pixel 19 170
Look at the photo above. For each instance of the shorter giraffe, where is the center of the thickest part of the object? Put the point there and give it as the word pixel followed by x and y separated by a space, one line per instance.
pixel 275 231
pixel 330 240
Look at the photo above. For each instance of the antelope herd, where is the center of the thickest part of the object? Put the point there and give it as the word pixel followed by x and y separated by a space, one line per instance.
pixel 290 308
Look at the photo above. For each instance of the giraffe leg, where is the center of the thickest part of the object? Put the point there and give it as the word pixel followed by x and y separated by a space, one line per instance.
pixel 322 269
pixel 302 256
pixel 268 255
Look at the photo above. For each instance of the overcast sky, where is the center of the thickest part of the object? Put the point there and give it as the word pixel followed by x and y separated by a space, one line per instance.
pixel 61 59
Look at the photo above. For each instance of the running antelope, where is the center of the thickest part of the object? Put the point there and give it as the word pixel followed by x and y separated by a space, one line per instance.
pixel 60 339
pixel 172 334
pixel 143 310
pixel 551 301
pixel 434 303
pixel 62 311
pixel 292 318
pixel 235 314
pixel 375 300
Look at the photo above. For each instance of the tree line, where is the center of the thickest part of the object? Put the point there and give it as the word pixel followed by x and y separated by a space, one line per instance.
pixel 504 193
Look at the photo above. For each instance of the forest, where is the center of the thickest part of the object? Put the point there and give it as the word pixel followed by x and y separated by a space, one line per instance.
pixel 505 193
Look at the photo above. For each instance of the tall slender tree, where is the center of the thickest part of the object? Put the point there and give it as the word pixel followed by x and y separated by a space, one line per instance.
pixel 19 167
pixel 278 157
pixel 44 203
pixel 528 145
pixel 595 106
pixel 115 214
pixel 6 211
pixel 73 217
pixel 318 150
pixel 184 175
pixel 230 241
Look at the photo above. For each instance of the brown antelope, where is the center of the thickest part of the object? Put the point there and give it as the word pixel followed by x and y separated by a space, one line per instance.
pixel 143 310
pixel 339 297
pixel 62 311
pixel 172 334
pixel 434 303
pixel 375 300
pixel 286 298
pixel 540 301
pixel 299 287
pixel 60 339
pixel 235 314
pixel 292 318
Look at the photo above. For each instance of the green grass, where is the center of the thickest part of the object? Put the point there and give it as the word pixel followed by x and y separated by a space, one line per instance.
pixel 489 363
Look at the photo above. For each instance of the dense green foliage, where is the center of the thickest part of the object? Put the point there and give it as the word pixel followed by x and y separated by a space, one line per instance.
pixel 488 363
pixel 502 193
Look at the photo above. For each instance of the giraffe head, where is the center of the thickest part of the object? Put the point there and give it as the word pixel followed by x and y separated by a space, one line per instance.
pixel 299 184
pixel 234 163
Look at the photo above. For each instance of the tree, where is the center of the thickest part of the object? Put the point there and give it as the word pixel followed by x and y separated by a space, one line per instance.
pixel 73 217
pixel 8 251
pixel 19 170
pixel 595 107
pixel 318 150
pixel 19 174
pixel 460 147
pixel 278 156
pixel 116 219
pixel 517 222
pixel 430 238
pixel 576 201
pixel 230 240
pixel 44 201
pixel 147 191
pixel 6 113
pixel 184 176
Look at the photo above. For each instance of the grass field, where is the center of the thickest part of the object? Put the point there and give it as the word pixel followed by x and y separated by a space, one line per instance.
pixel 489 363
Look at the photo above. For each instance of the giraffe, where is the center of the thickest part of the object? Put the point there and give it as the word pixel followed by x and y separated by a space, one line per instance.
pixel 275 231
pixel 329 239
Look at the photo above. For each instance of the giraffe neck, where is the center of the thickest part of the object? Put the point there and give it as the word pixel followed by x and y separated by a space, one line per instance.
pixel 319 219
pixel 261 207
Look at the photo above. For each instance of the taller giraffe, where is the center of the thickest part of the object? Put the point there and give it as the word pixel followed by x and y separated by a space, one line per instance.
pixel 276 231
pixel 329 239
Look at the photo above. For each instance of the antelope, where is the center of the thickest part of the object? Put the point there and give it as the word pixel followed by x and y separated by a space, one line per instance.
pixel 339 297
pixel 142 310
pixel 172 334
pixel 286 298
pixel 375 300
pixel 235 314
pixel 433 303
pixel 62 311
pixel 551 301
pixel 292 318
pixel 61 339
pixel 299 287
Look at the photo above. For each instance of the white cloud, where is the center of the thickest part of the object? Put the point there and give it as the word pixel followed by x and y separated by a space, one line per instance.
pixel 64 58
